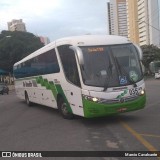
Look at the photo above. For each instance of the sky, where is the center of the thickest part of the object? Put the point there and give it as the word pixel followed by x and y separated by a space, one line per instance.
pixel 57 18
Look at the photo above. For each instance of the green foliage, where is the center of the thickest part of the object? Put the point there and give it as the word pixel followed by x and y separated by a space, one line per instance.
pixel 150 53
pixel 16 45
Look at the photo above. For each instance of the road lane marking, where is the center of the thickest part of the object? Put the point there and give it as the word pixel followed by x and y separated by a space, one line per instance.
pixel 139 137
pixel 150 135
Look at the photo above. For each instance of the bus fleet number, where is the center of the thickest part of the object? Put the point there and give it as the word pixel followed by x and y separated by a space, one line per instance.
pixel 135 91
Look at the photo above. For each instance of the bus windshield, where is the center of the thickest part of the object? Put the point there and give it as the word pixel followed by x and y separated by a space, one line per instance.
pixel 111 66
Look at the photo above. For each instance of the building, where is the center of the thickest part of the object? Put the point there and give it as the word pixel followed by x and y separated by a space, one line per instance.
pixel 132 20
pixel 154 28
pixel 136 19
pixel 148 22
pixel 109 18
pixel 44 40
pixel 117 17
pixel 16 25
pixel 143 22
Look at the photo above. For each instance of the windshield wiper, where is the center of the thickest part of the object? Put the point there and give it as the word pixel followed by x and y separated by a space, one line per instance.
pixel 109 70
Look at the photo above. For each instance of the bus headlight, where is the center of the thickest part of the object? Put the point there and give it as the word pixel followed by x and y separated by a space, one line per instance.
pixel 90 98
pixel 142 92
pixel 94 99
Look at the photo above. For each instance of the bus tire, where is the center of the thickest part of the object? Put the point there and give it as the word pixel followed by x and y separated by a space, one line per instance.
pixel 27 99
pixel 62 106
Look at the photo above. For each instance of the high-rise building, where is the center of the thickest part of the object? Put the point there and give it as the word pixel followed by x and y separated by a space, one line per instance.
pixel 16 25
pixel 117 17
pixel 143 22
pixel 109 18
pixel 132 21
pixel 154 30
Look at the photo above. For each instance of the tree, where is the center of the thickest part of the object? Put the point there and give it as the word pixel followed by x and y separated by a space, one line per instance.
pixel 16 45
pixel 150 53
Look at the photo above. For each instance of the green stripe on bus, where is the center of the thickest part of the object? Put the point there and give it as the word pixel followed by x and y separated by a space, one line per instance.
pixel 60 90
pixel 55 88
pixel 48 84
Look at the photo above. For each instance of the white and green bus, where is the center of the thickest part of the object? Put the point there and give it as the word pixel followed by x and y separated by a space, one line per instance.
pixel 89 76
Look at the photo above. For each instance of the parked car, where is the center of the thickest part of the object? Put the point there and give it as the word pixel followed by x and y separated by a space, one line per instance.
pixel 4 88
pixel 157 75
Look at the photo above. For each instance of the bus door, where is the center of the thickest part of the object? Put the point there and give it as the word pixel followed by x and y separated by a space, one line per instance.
pixel 73 86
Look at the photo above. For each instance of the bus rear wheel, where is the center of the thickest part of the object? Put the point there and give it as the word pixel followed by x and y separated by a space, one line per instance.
pixel 27 99
pixel 62 106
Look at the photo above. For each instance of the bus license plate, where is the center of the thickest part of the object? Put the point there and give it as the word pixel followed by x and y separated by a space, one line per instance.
pixel 122 109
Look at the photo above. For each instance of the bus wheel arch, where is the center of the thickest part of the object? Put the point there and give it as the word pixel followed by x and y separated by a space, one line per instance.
pixel 27 99
pixel 62 107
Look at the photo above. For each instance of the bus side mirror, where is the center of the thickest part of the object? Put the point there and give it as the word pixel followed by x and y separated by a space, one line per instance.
pixel 139 51
pixel 79 53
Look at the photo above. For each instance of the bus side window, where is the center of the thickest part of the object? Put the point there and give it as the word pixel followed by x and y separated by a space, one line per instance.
pixel 68 60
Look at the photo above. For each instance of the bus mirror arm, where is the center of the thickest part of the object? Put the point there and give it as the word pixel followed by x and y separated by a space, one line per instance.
pixel 79 53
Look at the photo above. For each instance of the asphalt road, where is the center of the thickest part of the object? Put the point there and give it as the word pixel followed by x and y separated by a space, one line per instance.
pixel 39 128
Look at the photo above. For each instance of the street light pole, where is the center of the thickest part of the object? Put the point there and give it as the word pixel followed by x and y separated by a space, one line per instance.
pixel 149 25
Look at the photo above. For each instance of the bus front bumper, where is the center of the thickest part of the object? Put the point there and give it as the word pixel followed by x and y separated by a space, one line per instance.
pixel 93 109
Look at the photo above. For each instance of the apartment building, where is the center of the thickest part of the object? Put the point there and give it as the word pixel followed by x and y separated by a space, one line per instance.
pixel 143 22
pixel 132 20
pixel 154 27
pixel 109 18
pixel 117 17
pixel 136 19
pixel 16 25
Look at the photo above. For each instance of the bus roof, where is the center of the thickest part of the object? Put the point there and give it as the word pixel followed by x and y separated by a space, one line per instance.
pixel 84 40
pixel 88 40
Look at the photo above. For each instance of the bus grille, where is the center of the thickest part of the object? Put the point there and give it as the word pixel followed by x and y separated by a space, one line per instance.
pixel 121 100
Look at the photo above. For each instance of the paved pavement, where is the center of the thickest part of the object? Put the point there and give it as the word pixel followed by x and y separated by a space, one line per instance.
pixel 39 128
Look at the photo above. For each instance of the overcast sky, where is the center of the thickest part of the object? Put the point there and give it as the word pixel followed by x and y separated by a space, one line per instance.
pixel 57 18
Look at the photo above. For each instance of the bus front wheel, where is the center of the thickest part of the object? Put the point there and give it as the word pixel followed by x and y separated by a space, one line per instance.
pixel 62 106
